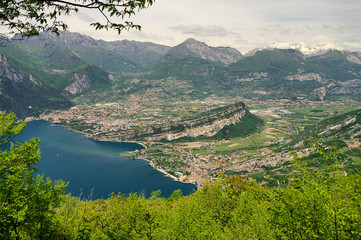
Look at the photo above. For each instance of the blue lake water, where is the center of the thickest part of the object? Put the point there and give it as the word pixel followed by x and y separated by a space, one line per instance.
pixel 95 169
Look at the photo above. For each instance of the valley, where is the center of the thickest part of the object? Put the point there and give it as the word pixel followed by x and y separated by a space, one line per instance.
pixel 169 99
pixel 145 119
pixel 202 160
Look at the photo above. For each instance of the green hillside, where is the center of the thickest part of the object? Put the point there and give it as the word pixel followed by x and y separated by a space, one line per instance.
pixel 22 86
pixel 110 61
pixel 190 68
pixel 334 65
pixel 277 63
pixel 53 56
pixel 342 127
pixel 34 77
pixel 27 99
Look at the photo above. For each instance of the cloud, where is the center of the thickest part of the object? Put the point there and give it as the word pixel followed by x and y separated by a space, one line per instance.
pixel 86 17
pixel 241 24
pixel 282 30
pixel 337 27
pixel 352 46
pixel 201 31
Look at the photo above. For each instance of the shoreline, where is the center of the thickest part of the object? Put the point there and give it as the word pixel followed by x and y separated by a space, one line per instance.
pixel 174 178
pixel 168 174
pixel 161 170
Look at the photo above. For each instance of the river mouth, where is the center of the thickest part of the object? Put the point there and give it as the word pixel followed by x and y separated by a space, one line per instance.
pixel 94 169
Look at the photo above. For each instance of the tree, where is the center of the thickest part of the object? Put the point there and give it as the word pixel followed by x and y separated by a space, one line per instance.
pixel 29 17
pixel 27 203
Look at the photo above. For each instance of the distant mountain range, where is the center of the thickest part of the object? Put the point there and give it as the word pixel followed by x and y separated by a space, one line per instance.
pixel 47 72
pixel 307 50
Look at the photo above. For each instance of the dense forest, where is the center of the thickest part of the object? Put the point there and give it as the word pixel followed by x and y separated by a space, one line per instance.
pixel 322 204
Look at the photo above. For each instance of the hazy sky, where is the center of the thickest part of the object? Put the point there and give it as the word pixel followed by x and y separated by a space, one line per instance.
pixel 243 24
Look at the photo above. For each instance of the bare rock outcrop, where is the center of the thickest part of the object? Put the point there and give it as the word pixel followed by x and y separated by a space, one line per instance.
pixel 81 83
pixel 272 160
pixel 307 77
pixel 207 125
pixel 8 71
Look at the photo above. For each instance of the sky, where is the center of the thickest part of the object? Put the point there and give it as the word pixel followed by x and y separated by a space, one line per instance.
pixel 242 24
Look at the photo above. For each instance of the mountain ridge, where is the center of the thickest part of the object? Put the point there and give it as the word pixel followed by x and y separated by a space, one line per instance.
pixel 215 123
pixel 194 48
pixel 191 66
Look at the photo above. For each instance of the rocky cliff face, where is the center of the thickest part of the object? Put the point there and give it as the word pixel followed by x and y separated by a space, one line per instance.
pixel 345 126
pixel 24 94
pixel 8 71
pixel 206 125
pixel 349 127
pixel 81 83
pixel 277 159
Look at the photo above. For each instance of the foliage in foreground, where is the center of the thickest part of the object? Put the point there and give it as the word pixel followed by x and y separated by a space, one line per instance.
pixel 228 209
pixel 28 18
pixel 27 203
pixel 313 205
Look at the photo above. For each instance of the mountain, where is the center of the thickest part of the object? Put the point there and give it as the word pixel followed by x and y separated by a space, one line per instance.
pixel 269 74
pixel 45 80
pixel 307 50
pixel 24 94
pixel 186 69
pixel 287 73
pixel 72 65
pixel 115 56
pixel 85 78
pixel 194 48
pixel 354 57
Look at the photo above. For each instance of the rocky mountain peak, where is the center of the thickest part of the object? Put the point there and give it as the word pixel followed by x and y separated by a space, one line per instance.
pixel 192 47
pixel 191 43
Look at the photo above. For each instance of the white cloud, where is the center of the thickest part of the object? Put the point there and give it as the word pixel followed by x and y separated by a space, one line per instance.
pixel 201 31
pixel 282 30
pixel 340 27
pixel 238 23
pixel 352 46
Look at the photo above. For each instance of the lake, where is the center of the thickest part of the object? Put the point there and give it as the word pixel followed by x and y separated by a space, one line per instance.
pixel 95 169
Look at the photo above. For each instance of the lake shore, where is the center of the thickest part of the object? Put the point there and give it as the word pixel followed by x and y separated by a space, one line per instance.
pixel 89 136
pixel 89 165
pixel 162 170
pixel 168 174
